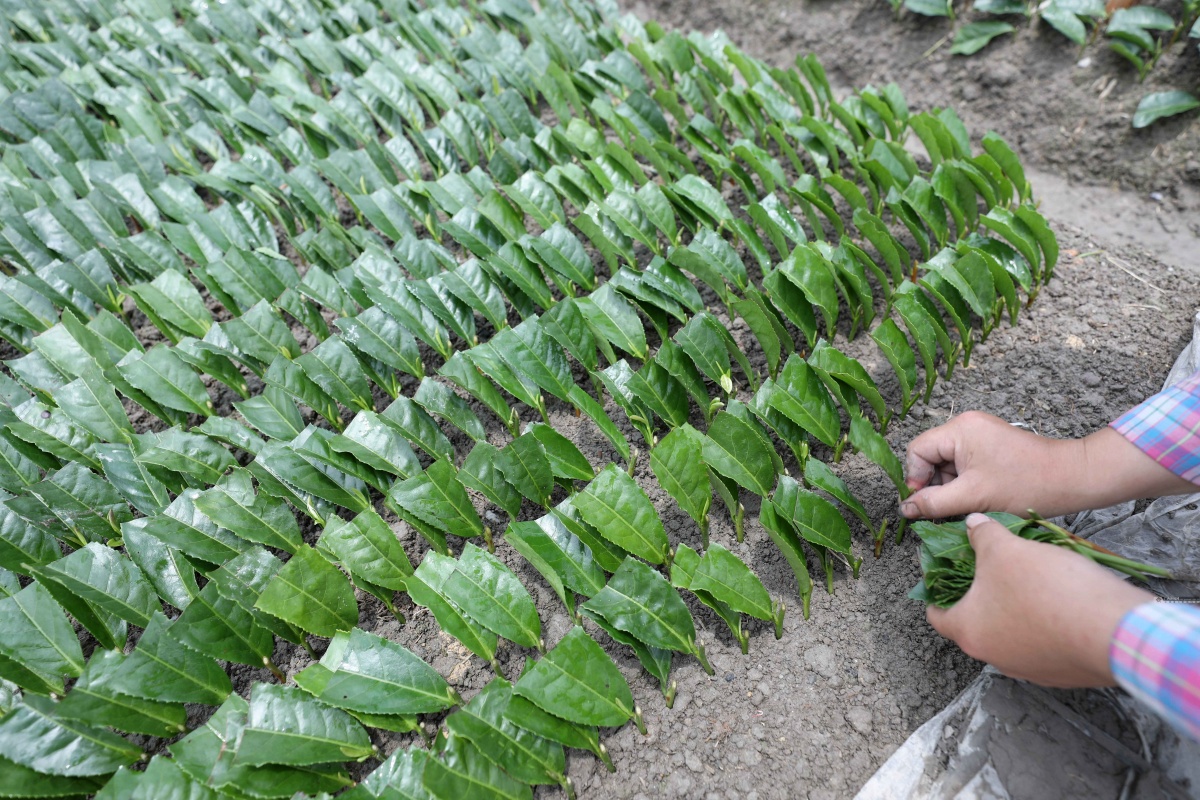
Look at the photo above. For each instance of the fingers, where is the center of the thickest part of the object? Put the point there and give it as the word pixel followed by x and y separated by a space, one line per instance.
pixel 926 453
pixel 934 502
pixel 985 534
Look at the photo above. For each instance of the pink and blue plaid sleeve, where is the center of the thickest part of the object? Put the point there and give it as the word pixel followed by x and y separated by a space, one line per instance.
pixel 1167 428
pixel 1155 656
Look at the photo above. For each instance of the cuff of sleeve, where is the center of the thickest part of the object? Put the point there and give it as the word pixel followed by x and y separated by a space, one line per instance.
pixel 1155 656
pixel 1166 427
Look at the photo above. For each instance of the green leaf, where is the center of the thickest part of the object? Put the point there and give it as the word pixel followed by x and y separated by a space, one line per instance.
pixel 335 369
pixel 381 337
pixel 312 594
pixel 867 440
pixel 21 781
pixel 814 518
pixel 525 465
pixel 166 568
pixel 377 445
pixel 440 400
pixel 208 756
pixel 163 669
pixel 184 527
pixel 173 305
pixel 617 507
pixel 640 601
pixel 566 461
pixel 659 390
pixel 167 380
pixel 788 541
pixel 364 672
pixel 549 545
pixel 273 413
pixel 436 498
pixel 724 576
pixel 425 588
pixel 559 251
pixel 63 579
pixel 819 475
pixel 418 427
pixel 702 343
pixel 836 368
pixel 740 451
pixel 578 682
pixel 285 725
pixel 1157 105
pixel 492 596
pixel 91 699
pixel 975 36
pixel 683 572
pixel 525 756
pixel 613 318
pixel 896 349
pixel 481 472
pixel 254 517
pixel 91 403
pixel 224 627
pixel 678 464
pixel 33 735
pixel 461 770
pixel 38 646
pixel 189 454
pixel 368 549
pixel 595 412
pixel 100 575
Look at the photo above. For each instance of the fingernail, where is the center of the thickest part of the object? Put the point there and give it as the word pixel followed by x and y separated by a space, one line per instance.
pixel 908 509
pixel 977 519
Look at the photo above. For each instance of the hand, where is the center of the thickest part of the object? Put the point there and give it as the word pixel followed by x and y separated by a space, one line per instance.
pixel 1036 611
pixel 977 462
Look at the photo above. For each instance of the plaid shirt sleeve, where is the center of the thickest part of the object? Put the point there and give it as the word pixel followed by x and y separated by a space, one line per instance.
pixel 1155 656
pixel 1167 428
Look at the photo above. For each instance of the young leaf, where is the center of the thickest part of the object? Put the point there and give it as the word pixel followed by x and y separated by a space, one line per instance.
pixel 218 625
pixel 287 726
pixel 312 594
pixel 578 682
pixel 273 413
pixel 896 349
pixel 548 543
pixel 786 539
pixel 678 464
pixel 418 427
pixel 38 646
pixel 833 365
pixel 338 372
pixel 488 591
pixel 814 518
pixel 975 36
pixel 566 461
pixel 163 669
pixel 368 549
pixel 617 507
pixel 461 770
pixel 436 498
pixel 440 400
pixel 481 472
pixel 425 588
pixel 33 735
pixel 377 445
pixel 189 454
pixel 724 576
pixel 740 451
pixel 91 699
pixel 1157 105
pixel 364 672
pixel 525 756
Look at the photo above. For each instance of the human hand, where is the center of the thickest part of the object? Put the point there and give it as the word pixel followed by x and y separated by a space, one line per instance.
pixel 977 462
pixel 1036 611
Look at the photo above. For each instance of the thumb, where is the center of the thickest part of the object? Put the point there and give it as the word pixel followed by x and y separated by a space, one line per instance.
pixel 984 532
pixel 946 500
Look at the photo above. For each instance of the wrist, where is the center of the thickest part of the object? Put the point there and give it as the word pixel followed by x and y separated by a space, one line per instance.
pixel 1100 629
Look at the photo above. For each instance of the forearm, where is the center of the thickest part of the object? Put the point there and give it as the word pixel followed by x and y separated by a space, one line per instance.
pixel 1101 470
